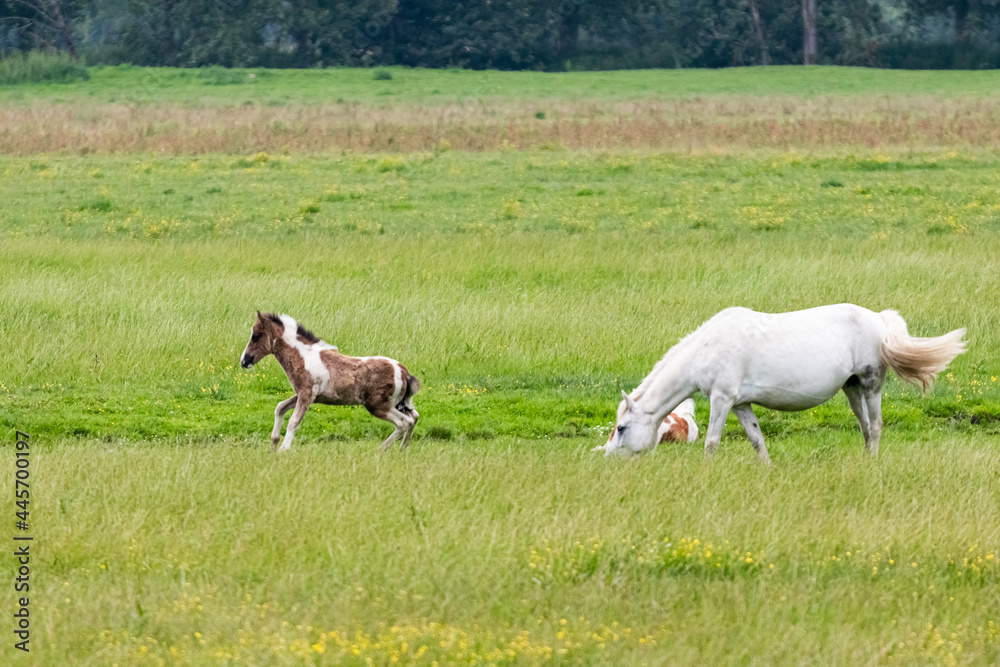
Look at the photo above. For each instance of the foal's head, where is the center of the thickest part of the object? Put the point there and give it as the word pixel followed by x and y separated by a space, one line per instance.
pixel 265 332
pixel 634 431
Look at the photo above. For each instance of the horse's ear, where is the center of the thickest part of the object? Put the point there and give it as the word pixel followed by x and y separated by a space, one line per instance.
pixel 629 403
pixel 260 318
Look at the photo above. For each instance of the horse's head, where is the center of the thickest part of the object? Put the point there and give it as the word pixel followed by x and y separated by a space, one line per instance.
pixel 266 330
pixel 634 431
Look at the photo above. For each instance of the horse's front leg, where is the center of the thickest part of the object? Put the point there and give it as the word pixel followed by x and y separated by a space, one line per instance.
pixel 749 420
pixel 303 401
pixel 279 413
pixel 720 406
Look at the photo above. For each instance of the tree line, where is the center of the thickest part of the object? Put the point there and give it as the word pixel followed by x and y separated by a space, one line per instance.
pixel 509 34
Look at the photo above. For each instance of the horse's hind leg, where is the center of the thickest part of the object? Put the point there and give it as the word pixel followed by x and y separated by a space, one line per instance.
pixel 749 420
pixel 413 416
pixel 869 385
pixel 279 414
pixel 873 402
pixel 857 400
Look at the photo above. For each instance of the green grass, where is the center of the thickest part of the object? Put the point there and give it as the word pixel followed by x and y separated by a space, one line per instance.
pixel 217 86
pixel 853 196
pixel 41 67
pixel 514 551
pixel 525 289
pixel 525 305
pixel 164 514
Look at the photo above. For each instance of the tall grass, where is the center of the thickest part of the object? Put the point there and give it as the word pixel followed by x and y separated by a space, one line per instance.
pixel 515 552
pixel 41 66
pixel 521 314
pixel 531 335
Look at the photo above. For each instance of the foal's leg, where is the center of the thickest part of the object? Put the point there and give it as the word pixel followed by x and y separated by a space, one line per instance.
pixel 413 416
pixel 720 407
pixel 857 400
pixel 394 417
pixel 750 425
pixel 279 413
pixel 302 404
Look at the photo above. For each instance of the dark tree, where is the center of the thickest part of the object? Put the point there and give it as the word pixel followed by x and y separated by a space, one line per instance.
pixel 47 21
pixel 810 48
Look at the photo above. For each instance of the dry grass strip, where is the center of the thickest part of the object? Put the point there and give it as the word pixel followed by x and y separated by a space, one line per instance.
pixel 691 125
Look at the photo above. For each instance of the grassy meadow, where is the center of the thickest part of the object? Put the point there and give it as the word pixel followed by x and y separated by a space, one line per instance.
pixel 528 245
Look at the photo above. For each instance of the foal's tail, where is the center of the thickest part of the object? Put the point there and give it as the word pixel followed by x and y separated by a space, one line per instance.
pixel 917 360
pixel 412 387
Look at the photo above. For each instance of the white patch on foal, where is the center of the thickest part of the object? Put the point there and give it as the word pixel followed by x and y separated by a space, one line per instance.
pixel 397 379
pixel 244 355
pixel 310 354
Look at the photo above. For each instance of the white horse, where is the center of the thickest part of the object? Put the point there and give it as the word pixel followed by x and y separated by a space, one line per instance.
pixel 786 361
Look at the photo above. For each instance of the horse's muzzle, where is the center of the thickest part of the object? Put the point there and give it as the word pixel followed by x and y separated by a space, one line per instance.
pixel 246 361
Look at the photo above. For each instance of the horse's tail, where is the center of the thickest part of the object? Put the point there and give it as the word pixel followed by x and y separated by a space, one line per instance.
pixel 917 360
pixel 412 386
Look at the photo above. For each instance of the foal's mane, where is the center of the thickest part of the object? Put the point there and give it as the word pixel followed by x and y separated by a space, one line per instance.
pixel 306 335
pixel 301 331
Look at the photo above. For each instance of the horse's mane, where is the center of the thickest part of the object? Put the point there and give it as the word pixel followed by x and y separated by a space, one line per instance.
pixel 301 331
pixel 679 348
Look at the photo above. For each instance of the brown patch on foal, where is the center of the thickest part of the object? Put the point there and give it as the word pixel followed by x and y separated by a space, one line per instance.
pixel 354 381
pixel 296 365
pixel 678 431
pixel 380 385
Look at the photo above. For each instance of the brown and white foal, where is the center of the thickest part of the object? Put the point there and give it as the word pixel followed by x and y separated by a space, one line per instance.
pixel 320 374
pixel 678 426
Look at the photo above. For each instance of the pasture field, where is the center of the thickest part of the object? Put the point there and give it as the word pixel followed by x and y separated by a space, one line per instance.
pixel 525 285
pixel 215 86
pixel 186 112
